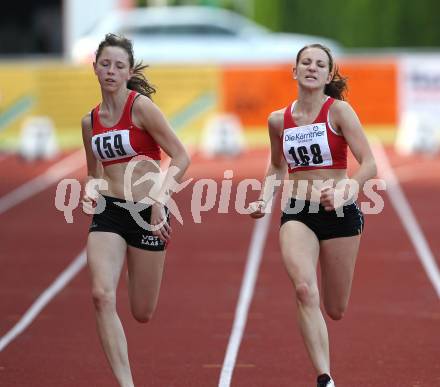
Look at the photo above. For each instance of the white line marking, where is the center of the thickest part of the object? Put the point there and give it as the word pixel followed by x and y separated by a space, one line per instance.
pixel 407 217
pixel 246 292
pixel 62 280
pixel 56 172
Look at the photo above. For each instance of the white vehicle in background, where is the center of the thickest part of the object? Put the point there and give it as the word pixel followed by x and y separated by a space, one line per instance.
pixel 196 35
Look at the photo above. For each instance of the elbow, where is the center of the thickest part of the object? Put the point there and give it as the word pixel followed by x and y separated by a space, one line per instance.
pixel 186 160
pixel 96 170
pixel 369 168
pixel 279 168
pixel 373 169
pixel 183 160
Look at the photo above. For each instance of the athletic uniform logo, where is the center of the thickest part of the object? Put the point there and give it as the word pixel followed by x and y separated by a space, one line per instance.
pixel 151 240
pixel 307 145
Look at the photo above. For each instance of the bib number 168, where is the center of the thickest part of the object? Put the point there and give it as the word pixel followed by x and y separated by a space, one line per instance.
pixel 301 155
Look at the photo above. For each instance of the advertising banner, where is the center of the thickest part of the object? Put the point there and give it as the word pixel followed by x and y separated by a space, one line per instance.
pixel 419 104
pixel 419 83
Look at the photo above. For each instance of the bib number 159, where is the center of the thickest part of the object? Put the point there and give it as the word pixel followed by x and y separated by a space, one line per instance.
pixel 111 148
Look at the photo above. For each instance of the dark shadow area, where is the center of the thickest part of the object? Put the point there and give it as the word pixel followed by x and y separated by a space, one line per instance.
pixel 31 27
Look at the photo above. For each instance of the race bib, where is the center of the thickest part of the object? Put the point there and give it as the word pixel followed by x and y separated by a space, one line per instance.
pixel 306 146
pixel 112 145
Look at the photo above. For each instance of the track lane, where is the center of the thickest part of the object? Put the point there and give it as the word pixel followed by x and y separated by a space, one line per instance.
pixel 37 244
pixel 15 171
pixel 389 334
pixel 419 178
pixel 185 343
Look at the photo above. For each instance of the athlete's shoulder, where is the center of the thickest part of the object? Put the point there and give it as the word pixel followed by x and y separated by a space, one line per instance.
pixel 339 106
pixel 86 121
pixel 142 103
pixel 341 110
pixel 276 119
pixel 86 127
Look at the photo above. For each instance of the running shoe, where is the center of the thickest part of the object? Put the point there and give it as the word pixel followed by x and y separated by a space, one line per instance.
pixel 325 380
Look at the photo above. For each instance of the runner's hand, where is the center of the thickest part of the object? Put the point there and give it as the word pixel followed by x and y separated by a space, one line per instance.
pixel 257 209
pixel 158 216
pixel 88 204
pixel 332 198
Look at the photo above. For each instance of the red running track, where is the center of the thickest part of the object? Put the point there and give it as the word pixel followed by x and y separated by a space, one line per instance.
pixel 388 337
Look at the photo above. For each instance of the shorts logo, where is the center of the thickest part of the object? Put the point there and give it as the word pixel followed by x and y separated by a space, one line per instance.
pixel 151 240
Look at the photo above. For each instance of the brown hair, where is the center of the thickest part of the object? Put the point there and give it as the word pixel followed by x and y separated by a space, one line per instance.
pixel 138 81
pixel 337 88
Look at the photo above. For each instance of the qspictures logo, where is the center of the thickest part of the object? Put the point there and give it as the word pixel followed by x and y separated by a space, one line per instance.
pixel 207 194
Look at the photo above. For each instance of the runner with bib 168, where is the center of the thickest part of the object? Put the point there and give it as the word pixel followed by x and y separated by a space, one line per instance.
pixel 321 221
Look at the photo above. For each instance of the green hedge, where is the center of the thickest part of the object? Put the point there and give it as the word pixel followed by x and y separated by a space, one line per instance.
pixel 357 23
pixel 354 23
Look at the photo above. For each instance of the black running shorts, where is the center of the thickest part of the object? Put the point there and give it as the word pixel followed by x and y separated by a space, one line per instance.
pixel 325 224
pixel 119 220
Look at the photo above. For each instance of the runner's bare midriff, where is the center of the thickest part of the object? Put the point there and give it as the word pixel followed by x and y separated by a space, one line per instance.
pixel 302 183
pixel 117 175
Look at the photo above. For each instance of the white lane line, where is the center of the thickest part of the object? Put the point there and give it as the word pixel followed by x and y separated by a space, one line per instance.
pixel 407 217
pixel 246 293
pixel 56 172
pixel 59 284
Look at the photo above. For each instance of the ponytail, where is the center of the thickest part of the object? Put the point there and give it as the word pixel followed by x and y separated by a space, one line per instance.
pixel 138 82
pixel 337 88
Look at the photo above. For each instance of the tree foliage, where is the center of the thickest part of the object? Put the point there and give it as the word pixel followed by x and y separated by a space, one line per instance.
pixel 356 23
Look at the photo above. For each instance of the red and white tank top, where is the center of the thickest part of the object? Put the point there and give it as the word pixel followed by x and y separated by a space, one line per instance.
pixel 123 141
pixel 313 146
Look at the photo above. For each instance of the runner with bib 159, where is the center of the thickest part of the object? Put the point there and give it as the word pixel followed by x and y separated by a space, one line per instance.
pixel 124 136
pixel 321 221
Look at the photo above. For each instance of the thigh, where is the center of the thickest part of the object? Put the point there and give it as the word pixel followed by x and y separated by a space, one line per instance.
pixel 145 269
pixel 337 260
pixel 300 251
pixel 105 257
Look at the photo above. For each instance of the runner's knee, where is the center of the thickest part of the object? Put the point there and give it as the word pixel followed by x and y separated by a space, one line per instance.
pixel 335 312
pixel 103 299
pixel 307 295
pixel 143 316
